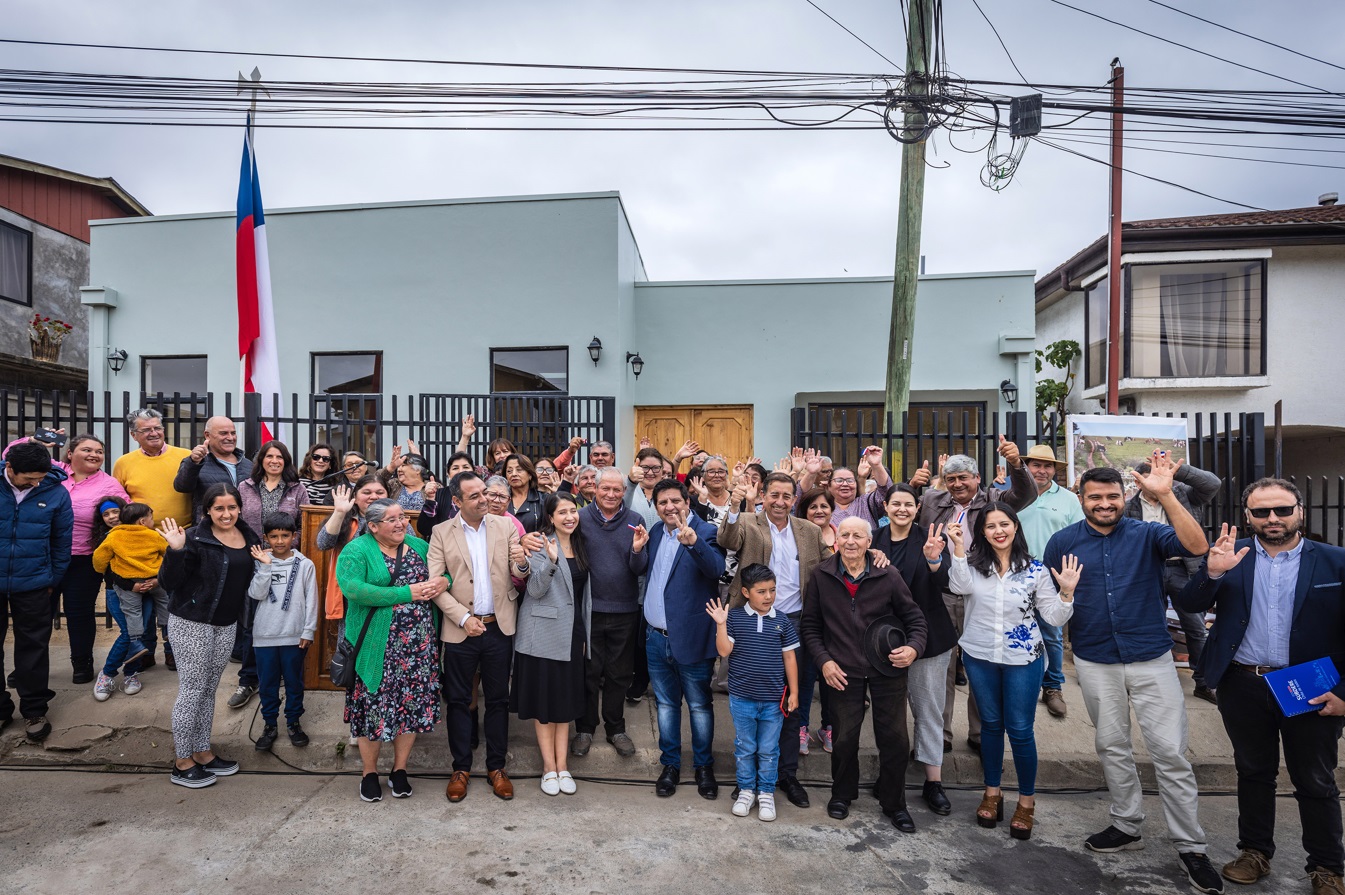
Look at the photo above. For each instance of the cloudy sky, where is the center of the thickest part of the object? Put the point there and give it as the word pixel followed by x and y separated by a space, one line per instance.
pixel 703 206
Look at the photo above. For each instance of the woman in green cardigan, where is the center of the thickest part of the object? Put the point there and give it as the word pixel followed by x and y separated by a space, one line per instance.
pixel 385 579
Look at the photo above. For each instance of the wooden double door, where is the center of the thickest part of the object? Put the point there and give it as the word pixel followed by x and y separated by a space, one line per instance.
pixel 723 429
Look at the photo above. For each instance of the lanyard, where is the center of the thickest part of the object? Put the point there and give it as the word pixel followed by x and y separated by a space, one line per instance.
pixel 289 588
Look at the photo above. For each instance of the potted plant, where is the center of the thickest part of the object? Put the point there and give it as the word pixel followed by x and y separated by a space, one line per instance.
pixel 45 336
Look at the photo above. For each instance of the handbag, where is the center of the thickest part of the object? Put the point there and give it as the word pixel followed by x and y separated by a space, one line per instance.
pixel 342 667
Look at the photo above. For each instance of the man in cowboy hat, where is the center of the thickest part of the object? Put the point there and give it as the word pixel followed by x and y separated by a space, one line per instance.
pixel 1054 508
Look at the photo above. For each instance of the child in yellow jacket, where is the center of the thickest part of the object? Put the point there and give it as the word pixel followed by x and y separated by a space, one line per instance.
pixel 133 551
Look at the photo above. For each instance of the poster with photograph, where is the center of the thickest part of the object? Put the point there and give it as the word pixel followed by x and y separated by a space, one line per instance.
pixel 1121 442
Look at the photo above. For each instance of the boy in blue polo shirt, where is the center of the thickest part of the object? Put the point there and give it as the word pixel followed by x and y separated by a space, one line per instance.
pixel 759 644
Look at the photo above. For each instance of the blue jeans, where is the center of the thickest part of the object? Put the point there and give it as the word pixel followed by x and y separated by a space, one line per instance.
pixel 1007 696
pixel 273 664
pixel 672 681
pixel 121 647
pixel 1053 638
pixel 756 742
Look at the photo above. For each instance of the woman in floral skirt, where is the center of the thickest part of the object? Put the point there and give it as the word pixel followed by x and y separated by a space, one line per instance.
pixel 385 579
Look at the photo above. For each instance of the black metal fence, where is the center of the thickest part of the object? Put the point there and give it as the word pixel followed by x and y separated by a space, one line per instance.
pixel 1232 446
pixel 539 425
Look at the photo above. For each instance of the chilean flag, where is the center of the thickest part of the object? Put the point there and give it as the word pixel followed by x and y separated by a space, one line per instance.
pixel 256 318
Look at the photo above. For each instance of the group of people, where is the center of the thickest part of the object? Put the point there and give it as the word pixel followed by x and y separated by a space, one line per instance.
pixel 538 589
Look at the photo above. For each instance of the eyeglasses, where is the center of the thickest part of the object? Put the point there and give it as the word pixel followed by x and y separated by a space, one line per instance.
pixel 146 430
pixel 1264 512
pixel 649 469
pixel 495 495
pixel 709 472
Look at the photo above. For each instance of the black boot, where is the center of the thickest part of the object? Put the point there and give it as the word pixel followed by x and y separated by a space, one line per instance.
pixel 83 671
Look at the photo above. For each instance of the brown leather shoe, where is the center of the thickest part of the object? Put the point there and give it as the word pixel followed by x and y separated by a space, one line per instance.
pixel 1247 868
pixel 1326 882
pixel 1055 702
pixel 457 786
pixel 499 783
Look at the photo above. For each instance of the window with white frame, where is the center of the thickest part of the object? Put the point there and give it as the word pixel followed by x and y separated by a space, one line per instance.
pixel 1196 319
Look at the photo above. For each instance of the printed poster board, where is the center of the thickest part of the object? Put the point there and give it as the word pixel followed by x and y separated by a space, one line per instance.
pixel 1121 442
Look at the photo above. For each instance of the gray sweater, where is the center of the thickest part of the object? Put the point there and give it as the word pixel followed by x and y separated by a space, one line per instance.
pixel 613 570
pixel 274 623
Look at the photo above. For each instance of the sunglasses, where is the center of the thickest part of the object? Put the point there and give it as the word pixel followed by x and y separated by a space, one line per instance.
pixel 1264 512
pixel 321 458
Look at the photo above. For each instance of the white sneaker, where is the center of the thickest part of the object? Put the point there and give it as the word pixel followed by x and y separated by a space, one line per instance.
pixel 131 685
pixel 567 783
pixel 766 806
pixel 746 798
pixel 104 687
pixel 551 784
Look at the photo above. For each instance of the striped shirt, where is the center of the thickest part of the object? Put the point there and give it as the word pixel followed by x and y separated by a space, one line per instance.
pixel 757 663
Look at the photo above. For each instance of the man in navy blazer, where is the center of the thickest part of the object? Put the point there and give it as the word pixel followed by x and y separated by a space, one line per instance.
pixel 1281 606
pixel 685 564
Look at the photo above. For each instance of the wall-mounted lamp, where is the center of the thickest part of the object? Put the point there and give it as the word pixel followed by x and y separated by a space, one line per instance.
pixel 595 350
pixel 1009 391
pixel 116 359
pixel 636 362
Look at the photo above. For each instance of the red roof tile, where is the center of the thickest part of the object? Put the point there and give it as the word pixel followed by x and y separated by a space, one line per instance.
pixel 1316 214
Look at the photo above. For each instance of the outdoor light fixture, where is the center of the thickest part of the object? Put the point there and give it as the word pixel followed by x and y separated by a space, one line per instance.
pixel 1010 392
pixel 116 359
pixel 594 350
pixel 636 362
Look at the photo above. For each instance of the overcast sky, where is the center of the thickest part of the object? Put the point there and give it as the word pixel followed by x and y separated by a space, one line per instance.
pixel 703 206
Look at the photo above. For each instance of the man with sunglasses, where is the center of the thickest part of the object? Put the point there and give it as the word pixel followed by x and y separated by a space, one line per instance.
pixel 1194 489
pixel 1280 602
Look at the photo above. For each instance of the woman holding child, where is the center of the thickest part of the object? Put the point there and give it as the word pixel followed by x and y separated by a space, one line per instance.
pixel 391 623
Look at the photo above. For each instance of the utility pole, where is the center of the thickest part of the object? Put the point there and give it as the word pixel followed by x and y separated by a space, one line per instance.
pixel 1118 81
pixel 910 214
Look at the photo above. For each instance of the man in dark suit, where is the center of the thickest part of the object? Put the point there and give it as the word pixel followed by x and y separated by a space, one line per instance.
pixel 792 548
pixel 1281 606
pixel 685 564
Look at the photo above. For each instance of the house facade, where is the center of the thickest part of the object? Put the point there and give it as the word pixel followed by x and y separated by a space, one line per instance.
pixel 1220 313
pixel 44 260
pixel 505 295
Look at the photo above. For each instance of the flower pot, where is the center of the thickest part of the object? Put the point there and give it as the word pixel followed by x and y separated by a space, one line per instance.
pixel 44 349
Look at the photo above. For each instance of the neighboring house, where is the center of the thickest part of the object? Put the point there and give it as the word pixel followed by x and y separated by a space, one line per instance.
pixel 44 260
pixel 1223 313
pixel 504 295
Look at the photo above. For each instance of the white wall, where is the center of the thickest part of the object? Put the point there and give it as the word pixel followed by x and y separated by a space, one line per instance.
pixel 766 342
pixel 433 285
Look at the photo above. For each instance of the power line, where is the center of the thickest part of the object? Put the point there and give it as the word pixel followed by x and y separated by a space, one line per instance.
pixel 1235 158
pixel 1107 164
pixel 1001 41
pixel 1269 43
pixel 1259 71
pixel 856 36
pixel 415 61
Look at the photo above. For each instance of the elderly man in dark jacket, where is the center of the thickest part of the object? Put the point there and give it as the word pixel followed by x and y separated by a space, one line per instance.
pixel 845 595
pixel 215 460
pixel 35 530
pixel 1194 489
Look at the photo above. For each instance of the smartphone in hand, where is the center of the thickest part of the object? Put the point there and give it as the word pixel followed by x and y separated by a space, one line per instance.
pixel 49 437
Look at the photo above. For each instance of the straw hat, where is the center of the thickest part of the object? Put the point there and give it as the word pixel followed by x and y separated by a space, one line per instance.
pixel 1042 452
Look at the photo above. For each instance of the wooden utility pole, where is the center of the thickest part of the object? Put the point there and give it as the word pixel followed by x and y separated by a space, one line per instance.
pixel 910 213
pixel 1118 81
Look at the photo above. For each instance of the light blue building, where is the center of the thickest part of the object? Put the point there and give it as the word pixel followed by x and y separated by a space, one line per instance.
pixel 507 294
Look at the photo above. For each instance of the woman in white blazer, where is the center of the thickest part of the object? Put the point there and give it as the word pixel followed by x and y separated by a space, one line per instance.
pixel 551 637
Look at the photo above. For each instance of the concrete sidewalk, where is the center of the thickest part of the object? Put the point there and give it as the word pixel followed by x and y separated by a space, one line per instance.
pixel 135 730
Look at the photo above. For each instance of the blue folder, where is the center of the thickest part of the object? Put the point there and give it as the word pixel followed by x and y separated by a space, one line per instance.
pixel 1295 685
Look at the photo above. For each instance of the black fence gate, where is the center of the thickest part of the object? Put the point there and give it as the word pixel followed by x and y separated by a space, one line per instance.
pixel 1232 446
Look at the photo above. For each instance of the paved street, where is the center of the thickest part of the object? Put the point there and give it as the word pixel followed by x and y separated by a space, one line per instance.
pixel 64 832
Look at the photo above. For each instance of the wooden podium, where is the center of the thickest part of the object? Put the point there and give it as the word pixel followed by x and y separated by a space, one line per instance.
pixel 317 663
